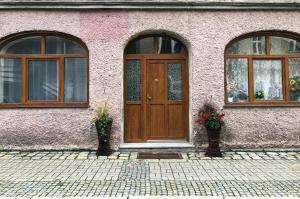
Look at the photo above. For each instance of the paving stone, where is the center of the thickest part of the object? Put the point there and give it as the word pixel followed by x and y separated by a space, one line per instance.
pixel 59 174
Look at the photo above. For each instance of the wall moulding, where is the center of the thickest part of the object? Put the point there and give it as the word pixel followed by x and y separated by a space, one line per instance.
pixel 180 5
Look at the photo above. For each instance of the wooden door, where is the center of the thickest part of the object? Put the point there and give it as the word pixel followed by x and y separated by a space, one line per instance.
pixel 166 99
pixel 157 108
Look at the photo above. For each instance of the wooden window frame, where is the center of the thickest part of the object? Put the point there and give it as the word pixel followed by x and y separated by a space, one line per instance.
pixel 155 46
pixel 59 103
pixel 285 102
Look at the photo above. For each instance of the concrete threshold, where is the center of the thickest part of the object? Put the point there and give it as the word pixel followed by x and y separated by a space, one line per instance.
pixel 156 145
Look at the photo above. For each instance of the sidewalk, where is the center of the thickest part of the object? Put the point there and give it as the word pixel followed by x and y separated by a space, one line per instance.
pixel 82 174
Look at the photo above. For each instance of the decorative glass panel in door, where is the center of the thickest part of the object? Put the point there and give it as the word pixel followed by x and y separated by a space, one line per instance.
pixel 174 81
pixel 133 80
pixel 268 79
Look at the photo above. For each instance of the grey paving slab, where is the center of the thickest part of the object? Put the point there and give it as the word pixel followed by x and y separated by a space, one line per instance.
pixel 103 177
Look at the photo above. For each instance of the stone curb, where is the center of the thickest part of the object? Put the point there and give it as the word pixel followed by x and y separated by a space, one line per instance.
pixel 154 197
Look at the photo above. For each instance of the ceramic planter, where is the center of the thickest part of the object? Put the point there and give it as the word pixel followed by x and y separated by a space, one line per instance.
pixel 213 149
pixel 104 148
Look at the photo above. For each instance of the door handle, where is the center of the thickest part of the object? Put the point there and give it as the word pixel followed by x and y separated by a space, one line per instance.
pixel 149 97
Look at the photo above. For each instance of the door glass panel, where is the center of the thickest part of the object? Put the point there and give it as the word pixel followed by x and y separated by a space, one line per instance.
pixel 294 79
pixel 253 45
pixel 280 45
pixel 10 80
pixel 133 80
pixel 141 46
pixel 58 45
pixel 268 80
pixel 27 45
pixel 43 79
pixel 174 81
pixel 75 80
pixel 237 79
pixel 167 45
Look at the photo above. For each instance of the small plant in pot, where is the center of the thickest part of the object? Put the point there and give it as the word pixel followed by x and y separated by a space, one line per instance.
pixel 103 123
pixel 213 121
pixel 259 95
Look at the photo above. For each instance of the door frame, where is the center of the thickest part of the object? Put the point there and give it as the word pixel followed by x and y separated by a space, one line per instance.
pixel 144 57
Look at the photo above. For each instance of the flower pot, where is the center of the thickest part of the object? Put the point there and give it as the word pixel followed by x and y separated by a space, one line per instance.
pixel 104 148
pixel 213 149
pixel 230 99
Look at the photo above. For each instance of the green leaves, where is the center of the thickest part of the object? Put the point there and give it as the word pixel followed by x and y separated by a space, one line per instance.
pixel 102 125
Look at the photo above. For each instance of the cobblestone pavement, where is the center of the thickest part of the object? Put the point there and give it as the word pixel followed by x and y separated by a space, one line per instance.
pixel 82 174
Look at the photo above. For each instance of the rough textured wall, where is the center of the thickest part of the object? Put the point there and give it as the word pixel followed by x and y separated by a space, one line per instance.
pixel 106 34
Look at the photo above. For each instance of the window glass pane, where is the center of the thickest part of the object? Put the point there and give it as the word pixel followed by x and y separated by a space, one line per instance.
pixel 280 45
pixel 75 80
pixel 174 81
pixel 133 73
pixel 28 45
pixel 267 80
pixel 58 45
pixel 294 79
pixel 141 46
pixel 169 45
pixel 253 45
pixel 10 80
pixel 237 80
pixel 43 79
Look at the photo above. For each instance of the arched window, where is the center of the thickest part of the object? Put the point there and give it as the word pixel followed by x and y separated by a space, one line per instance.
pixel 263 69
pixel 43 70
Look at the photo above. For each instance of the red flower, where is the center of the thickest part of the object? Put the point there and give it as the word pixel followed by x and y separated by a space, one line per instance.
pixel 206 116
pixel 199 121
pixel 220 117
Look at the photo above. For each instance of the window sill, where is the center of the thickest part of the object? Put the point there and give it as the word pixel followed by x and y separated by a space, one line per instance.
pixel 45 105
pixel 249 105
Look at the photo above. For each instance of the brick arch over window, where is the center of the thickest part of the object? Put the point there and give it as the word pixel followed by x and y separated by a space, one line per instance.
pixel 263 69
pixel 43 69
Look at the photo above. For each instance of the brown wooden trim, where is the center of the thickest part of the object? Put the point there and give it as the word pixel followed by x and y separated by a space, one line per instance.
pixel 24 79
pixel 285 71
pixel 43 45
pixel 263 56
pixel 287 80
pixel 50 56
pixel 12 37
pixel 250 79
pixel 25 103
pixel 247 105
pixel 284 34
pixel 44 105
pixel 268 44
pixel 156 56
pixel 61 77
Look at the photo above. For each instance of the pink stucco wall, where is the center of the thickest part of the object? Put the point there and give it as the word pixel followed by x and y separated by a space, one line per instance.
pixel 106 34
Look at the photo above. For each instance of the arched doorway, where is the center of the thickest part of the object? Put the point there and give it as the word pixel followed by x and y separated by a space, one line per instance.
pixel 155 90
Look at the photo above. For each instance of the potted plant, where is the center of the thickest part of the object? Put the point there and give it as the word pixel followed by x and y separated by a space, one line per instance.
pixel 242 96
pixel 213 121
pixel 295 88
pixel 231 87
pixel 230 97
pixel 103 123
pixel 259 95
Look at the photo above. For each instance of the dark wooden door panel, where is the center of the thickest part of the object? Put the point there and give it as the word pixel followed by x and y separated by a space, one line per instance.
pixel 175 121
pixel 156 87
pixel 133 123
pixel 157 121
